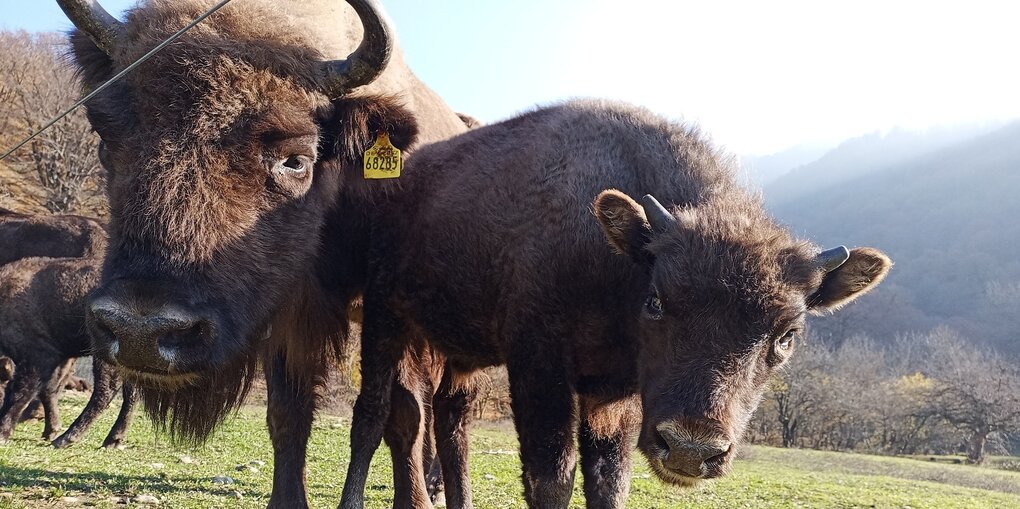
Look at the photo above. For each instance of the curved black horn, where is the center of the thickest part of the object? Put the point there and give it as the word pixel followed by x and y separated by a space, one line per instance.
pixel 657 215
pixel 90 17
pixel 830 259
pixel 368 61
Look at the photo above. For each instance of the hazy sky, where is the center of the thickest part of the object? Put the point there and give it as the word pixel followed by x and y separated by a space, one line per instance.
pixel 760 76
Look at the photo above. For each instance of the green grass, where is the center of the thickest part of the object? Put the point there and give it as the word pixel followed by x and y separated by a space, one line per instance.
pixel 35 475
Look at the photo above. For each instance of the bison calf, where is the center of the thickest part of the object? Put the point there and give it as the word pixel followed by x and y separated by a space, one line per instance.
pixel 492 252
pixel 42 307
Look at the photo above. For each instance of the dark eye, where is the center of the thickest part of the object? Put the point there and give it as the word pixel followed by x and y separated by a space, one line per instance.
pixel 653 306
pixel 785 343
pixel 295 166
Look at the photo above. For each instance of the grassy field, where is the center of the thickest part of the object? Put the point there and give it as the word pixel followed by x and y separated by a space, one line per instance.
pixel 35 475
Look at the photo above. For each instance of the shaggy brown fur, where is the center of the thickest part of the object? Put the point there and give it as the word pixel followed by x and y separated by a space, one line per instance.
pixel 207 222
pixel 493 254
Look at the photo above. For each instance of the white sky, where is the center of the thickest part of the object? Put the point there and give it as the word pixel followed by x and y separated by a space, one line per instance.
pixel 761 76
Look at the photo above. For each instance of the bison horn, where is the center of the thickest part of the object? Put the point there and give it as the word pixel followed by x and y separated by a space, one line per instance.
pixel 90 17
pixel 368 61
pixel 830 259
pixel 658 217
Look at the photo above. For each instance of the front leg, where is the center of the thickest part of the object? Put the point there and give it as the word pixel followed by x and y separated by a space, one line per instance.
pixel 105 383
pixel 291 409
pixel 452 409
pixel 380 353
pixel 49 397
pixel 544 415
pixel 605 435
pixel 119 429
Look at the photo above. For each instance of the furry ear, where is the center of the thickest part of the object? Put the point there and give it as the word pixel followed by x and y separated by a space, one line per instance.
pixel 6 369
pixel 864 270
pixel 357 121
pixel 624 224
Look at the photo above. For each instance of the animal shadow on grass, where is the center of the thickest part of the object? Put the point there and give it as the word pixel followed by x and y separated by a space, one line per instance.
pixel 91 482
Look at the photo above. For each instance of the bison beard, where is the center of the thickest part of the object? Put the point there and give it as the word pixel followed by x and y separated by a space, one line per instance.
pixel 190 414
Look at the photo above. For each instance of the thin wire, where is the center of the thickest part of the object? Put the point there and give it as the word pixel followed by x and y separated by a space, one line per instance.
pixel 119 75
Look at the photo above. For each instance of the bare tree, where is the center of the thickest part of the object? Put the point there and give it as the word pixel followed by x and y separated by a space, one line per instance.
pixel 976 391
pixel 36 85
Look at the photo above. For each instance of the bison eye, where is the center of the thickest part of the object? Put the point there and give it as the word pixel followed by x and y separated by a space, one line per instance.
pixel 653 306
pixel 786 342
pixel 294 166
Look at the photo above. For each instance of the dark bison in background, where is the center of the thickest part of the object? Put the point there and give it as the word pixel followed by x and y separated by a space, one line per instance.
pixel 238 206
pixel 57 236
pixel 42 309
pixel 493 254
pixel 27 235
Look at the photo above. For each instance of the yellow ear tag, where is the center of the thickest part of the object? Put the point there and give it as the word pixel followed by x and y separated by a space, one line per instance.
pixel 383 160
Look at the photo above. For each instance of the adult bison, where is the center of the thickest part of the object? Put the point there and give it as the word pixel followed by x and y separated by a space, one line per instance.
pixel 237 200
pixel 42 309
pixel 491 252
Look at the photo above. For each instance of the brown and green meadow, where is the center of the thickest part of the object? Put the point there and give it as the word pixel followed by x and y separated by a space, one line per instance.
pixel 32 474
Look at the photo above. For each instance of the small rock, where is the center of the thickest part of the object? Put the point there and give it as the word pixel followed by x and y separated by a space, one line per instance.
pixel 236 494
pixel 489 477
pixel 187 460
pixel 146 499
pixel 246 468
pixel 157 465
pixel 222 479
pixel 69 500
pixel 119 500
pixel 257 463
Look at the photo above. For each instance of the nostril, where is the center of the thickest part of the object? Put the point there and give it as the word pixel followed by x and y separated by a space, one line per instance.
pixel 181 338
pixel 720 453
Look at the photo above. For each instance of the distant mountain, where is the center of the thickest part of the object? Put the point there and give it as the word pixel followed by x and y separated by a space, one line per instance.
pixel 863 155
pixel 761 170
pixel 948 213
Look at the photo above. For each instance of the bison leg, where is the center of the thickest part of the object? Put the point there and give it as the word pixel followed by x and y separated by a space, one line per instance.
pixel 543 407
pixel 119 429
pixel 452 411
pixel 372 408
pixel 604 437
pixel 405 434
pixel 291 409
pixel 50 397
pixel 104 385
pixel 20 392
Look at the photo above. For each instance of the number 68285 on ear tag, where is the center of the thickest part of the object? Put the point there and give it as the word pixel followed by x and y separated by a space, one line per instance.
pixel 383 160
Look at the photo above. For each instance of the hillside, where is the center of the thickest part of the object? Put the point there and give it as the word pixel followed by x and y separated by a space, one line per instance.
pixel 861 156
pixel 947 217
pixel 20 193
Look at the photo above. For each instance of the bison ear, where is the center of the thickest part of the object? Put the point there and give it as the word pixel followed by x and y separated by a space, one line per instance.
pixel 863 270
pixel 356 122
pixel 624 224
pixel 94 65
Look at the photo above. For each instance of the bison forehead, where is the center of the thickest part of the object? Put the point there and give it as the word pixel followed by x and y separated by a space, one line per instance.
pixel 219 100
pixel 736 256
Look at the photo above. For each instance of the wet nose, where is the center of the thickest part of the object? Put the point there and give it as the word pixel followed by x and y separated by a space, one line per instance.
pixel 150 339
pixel 688 455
